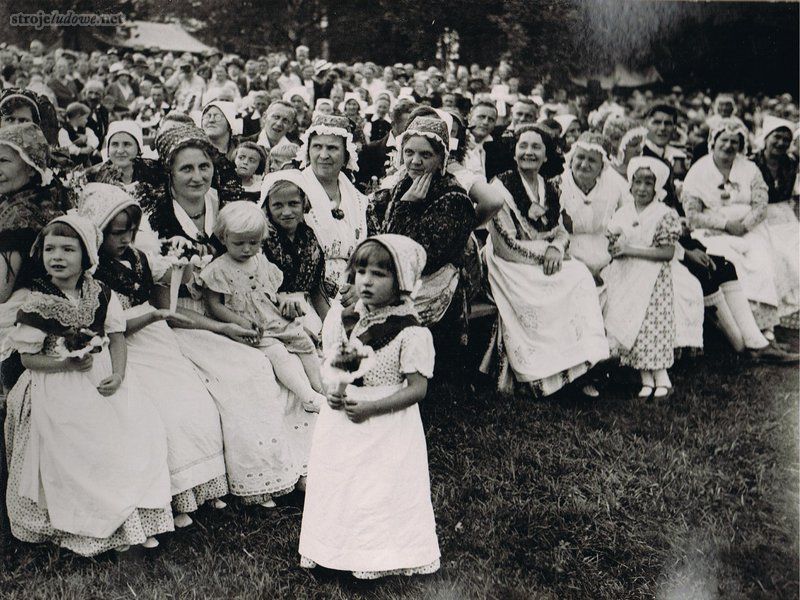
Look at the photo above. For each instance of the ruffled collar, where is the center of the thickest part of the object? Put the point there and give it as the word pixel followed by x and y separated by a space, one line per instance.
pixel 369 318
pixel 49 302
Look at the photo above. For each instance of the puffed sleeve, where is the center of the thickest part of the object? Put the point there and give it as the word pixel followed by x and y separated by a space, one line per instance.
pixel 668 230
pixel 416 351
pixel 115 316
pixel 26 339
pixel 213 278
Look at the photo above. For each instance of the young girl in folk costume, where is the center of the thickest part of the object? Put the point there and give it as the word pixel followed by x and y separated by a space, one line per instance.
pixel 368 507
pixel 88 460
pixel 294 248
pixel 241 287
pixel 251 164
pixel 194 435
pixel 640 307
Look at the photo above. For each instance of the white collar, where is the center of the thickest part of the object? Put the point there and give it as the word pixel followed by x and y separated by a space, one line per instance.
pixel 660 152
pixel 186 222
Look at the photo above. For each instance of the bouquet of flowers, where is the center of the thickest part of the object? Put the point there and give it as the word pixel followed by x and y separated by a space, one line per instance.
pixel 183 255
pixel 77 343
pixel 350 362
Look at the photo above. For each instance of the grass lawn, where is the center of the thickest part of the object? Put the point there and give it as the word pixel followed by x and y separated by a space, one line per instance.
pixel 696 497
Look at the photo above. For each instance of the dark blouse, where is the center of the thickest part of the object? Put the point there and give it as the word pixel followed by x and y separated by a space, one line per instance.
pixel 301 260
pixel 145 170
pixel 780 187
pixel 133 285
pixel 441 223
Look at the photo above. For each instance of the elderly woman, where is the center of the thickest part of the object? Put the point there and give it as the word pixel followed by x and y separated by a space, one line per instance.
pixel 338 213
pixel 550 327
pixel 570 130
pixel 266 431
pixel 27 203
pixel 122 153
pixel 591 191
pixel 725 199
pixel 222 126
pixel 429 206
pixel 780 172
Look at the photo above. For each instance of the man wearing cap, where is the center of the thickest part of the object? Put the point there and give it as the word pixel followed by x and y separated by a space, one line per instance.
pixel 187 87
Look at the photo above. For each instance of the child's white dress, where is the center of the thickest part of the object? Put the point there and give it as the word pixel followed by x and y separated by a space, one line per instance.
pixel 645 320
pixel 250 290
pixel 86 471
pixel 368 503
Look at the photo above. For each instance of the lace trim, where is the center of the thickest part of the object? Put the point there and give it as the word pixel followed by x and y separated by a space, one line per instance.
pixel 349 144
pixel 62 310
pixel 369 318
pixel 307 563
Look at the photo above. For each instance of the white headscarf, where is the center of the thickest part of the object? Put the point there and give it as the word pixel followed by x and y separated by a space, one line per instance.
pixel 658 168
pixel 132 128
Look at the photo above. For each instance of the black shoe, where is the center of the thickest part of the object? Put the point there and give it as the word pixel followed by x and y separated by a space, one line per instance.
pixel 774 354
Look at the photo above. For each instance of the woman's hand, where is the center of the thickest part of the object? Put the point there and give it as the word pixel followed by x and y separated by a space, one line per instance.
pixel 109 385
pixel 419 188
pixel 699 257
pixel 243 335
pixel 348 294
pixel 735 227
pixel 357 410
pixel 618 250
pixel 291 306
pixel 178 242
pixel 82 364
pixel 336 401
pixel 552 260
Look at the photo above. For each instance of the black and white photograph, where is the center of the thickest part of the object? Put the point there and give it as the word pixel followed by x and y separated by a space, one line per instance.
pixel 424 299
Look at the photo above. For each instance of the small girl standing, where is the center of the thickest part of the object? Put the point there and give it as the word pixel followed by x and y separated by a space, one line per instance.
pixel 241 287
pixel 639 310
pixel 88 460
pixel 368 504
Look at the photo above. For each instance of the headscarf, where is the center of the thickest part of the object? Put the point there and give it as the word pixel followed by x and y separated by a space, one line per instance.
pixel 590 141
pixel 659 169
pixel 291 175
pixel 329 125
pixel 434 129
pixel 730 125
pixel 87 231
pixel 27 140
pixel 564 121
pixel 299 91
pixel 321 101
pixel 228 110
pixel 132 128
pixel 43 111
pixel 101 202
pixel 408 256
pixel 362 106
pixel 770 125
pixel 170 141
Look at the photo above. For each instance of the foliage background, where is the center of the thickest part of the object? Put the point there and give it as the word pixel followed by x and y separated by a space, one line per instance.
pixel 751 46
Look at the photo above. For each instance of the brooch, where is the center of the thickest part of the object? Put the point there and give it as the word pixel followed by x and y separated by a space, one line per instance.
pixel 337 213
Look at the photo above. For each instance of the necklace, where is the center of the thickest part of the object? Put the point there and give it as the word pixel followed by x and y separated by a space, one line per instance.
pixel 198 215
